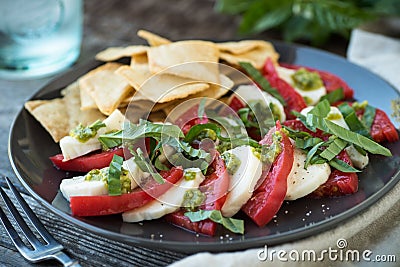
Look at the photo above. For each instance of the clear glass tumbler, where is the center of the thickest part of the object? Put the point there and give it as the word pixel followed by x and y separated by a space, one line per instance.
pixel 39 37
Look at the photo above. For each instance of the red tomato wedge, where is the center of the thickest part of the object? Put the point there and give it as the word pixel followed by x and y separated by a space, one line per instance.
pixel 269 196
pixel 190 118
pixel 86 163
pixel 294 101
pixel 215 187
pixel 106 205
pixel 236 104
pixel 331 81
pixel 178 218
pixel 339 183
pixel 382 128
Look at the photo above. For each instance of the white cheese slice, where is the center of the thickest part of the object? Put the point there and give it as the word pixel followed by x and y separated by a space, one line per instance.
pixel 167 203
pixel 77 186
pixel 312 96
pixel 302 182
pixel 252 93
pixel 243 181
pixel 134 172
pixel 72 148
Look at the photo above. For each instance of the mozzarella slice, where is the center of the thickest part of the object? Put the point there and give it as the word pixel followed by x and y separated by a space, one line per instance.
pixel 301 181
pixel 134 172
pixel 167 203
pixel 243 181
pixel 359 160
pixel 77 186
pixel 252 93
pixel 72 148
pixel 312 96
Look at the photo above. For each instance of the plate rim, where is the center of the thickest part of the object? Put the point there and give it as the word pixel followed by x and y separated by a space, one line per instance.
pixel 181 246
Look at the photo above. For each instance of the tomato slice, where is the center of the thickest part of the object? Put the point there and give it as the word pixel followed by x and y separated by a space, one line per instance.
pixel 331 81
pixel 339 183
pixel 215 187
pixel 190 118
pixel 269 196
pixel 236 104
pixel 294 101
pixel 382 128
pixel 86 163
pixel 106 205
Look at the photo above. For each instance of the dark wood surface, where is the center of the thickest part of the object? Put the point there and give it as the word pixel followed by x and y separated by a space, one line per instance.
pixel 115 23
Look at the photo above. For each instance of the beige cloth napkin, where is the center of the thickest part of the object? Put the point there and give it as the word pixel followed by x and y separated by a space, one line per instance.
pixel 378 224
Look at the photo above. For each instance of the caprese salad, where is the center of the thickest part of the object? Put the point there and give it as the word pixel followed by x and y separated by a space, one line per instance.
pixel 317 141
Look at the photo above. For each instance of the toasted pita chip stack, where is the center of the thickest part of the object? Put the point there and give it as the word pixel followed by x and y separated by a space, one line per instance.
pixel 58 116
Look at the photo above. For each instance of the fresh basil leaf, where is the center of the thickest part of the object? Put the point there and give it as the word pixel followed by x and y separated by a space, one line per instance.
pixel 159 165
pixel 311 154
pixel 233 225
pixel 303 119
pixel 307 142
pixel 261 81
pixel 356 125
pixel 342 166
pixel 368 116
pixel 357 139
pixel 133 132
pixel 321 109
pixel 111 140
pixel 333 96
pixel 198 128
pixel 296 133
pixel 114 176
pixel 345 109
pixel 145 165
pixel 333 149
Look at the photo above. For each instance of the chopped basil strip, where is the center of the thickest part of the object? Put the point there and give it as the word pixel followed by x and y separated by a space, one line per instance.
pixel 356 125
pixel 114 175
pixel 369 116
pixel 133 132
pixel 233 225
pixel 342 166
pixel 311 153
pixel 357 139
pixel 195 131
pixel 261 81
pixel 333 149
pixel 307 142
pixel 333 96
pixel 84 133
pixel 322 109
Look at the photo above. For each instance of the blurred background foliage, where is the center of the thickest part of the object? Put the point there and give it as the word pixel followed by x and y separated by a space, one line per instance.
pixel 313 21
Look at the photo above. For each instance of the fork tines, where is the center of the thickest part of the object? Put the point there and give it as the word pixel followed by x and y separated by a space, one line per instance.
pixel 41 251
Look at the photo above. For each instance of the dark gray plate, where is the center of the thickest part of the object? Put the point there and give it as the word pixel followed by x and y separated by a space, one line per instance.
pixel 30 146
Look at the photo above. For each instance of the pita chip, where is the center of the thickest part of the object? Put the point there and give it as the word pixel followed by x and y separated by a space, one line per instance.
pixel 200 58
pixel 106 87
pixel 240 47
pixel 255 56
pixel 152 38
pixel 115 53
pixel 52 116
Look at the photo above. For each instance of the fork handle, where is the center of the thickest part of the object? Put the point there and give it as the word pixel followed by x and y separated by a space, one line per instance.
pixel 65 259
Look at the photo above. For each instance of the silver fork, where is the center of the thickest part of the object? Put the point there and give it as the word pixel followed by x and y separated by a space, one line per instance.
pixel 51 249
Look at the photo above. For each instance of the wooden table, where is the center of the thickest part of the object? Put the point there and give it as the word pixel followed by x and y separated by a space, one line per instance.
pixel 114 23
